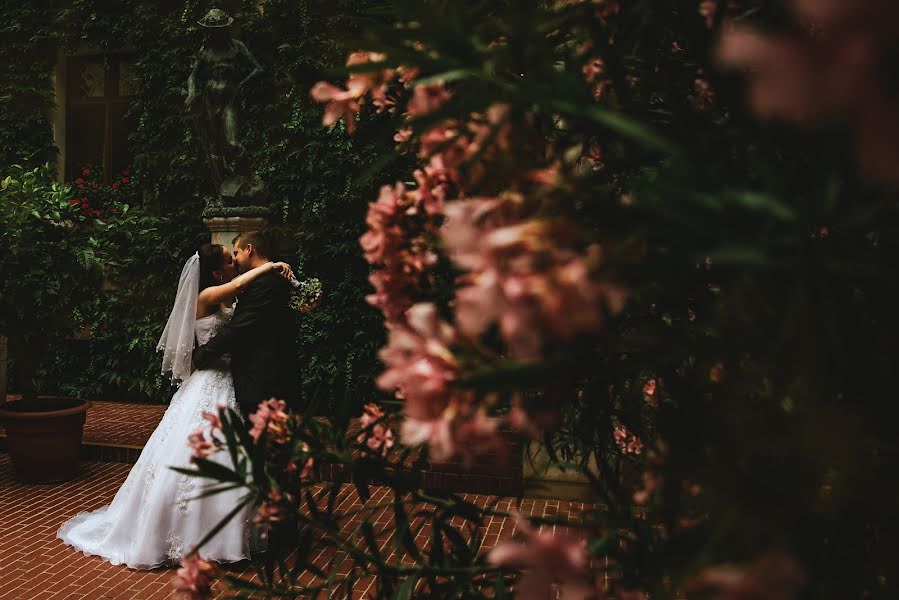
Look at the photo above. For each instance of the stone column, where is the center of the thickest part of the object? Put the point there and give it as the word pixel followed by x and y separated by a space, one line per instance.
pixel 225 229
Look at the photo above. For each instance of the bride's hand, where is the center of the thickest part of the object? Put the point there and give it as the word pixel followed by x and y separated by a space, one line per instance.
pixel 283 269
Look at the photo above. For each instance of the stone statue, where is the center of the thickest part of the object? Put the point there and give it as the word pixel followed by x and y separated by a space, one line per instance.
pixel 212 92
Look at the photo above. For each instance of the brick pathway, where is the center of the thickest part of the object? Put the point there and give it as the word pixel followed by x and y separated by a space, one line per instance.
pixel 35 565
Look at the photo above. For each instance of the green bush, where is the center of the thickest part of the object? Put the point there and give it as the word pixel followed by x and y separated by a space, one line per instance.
pixel 49 267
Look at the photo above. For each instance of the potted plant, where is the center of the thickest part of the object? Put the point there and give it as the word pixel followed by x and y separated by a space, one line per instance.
pixel 48 266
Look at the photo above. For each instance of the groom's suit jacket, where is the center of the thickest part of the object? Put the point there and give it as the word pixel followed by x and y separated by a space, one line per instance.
pixel 261 338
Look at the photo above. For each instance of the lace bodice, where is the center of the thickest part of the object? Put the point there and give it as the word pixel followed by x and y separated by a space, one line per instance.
pixel 208 326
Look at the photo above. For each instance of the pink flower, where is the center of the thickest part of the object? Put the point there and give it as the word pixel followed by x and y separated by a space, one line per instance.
pixel 627 442
pixel 435 433
pixel 202 447
pixel 270 511
pixel 340 104
pixel 384 235
pixel 547 558
pixel 214 423
pixel 393 293
pixel 373 82
pixel 649 388
pixel 519 279
pixel 419 361
pixel 379 437
pixel 403 135
pixel 271 419
pixel 426 99
pixel 305 472
pixel 195 577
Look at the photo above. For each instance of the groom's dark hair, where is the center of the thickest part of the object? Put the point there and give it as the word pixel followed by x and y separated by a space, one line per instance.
pixel 259 242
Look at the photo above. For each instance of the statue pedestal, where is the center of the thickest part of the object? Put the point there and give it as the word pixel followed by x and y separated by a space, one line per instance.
pixel 225 229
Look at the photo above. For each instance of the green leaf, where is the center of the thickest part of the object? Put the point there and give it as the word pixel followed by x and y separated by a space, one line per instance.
pixel 404 592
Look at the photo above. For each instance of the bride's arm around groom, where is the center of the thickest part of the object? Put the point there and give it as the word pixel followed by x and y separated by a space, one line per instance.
pixel 260 336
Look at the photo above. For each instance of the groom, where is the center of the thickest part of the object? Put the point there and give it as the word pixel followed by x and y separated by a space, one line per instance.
pixel 260 336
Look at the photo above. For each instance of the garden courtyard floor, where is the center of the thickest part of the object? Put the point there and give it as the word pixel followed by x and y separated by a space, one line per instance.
pixel 36 565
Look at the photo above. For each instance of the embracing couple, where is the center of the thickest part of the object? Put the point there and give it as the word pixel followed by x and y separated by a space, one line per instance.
pixel 229 341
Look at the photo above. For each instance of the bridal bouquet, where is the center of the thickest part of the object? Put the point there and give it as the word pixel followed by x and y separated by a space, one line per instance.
pixel 306 294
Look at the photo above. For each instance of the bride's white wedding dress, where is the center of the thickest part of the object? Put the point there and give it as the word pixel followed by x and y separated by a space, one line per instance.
pixel 151 522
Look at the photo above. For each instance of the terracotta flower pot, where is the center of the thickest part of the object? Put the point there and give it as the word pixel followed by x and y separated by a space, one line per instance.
pixel 44 437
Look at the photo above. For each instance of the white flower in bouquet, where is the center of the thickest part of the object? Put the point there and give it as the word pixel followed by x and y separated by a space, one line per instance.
pixel 306 294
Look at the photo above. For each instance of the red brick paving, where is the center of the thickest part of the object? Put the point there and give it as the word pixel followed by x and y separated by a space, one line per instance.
pixel 34 564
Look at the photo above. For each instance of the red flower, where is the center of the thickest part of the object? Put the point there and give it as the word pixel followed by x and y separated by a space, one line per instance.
pixel 74 201
pixel 115 186
pixel 125 180
pixel 95 185
pixel 85 171
pixel 79 181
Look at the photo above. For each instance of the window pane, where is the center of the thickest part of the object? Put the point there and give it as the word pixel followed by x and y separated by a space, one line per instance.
pixel 85 133
pixel 91 77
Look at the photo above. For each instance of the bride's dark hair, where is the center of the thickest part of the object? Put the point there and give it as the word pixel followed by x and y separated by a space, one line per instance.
pixel 212 258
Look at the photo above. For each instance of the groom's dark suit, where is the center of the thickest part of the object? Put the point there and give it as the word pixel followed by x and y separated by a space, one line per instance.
pixel 261 339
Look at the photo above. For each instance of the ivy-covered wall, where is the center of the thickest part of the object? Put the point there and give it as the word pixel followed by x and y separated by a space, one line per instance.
pixel 320 180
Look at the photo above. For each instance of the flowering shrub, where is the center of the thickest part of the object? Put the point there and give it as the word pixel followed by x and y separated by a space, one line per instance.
pixel 49 266
pixel 692 311
pixel 97 199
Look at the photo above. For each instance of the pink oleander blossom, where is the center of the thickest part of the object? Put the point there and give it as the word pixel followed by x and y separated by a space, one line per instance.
pixel 420 363
pixel 340 104
pixel 194 578
pixel 627 442
pixel 385 234
pixel 521 280
pixel 308 463
pixel 402 135
pixel 201 446
pixel 270 511
pixel 378 437
pixel 271 419
pixel 426 99
pixel 394 293
pixel 435 433
pixel 213 419
pixel 546 558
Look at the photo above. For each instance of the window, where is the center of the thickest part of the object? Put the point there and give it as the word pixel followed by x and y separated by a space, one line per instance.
pixel 98 90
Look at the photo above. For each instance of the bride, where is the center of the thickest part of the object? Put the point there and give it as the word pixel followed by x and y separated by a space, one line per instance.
pixel 152 521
